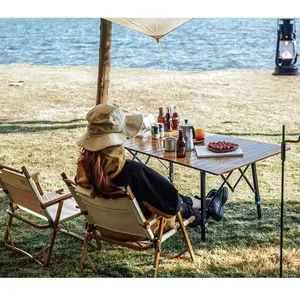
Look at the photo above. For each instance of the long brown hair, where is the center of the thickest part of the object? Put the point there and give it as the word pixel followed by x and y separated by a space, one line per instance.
pixel 90 162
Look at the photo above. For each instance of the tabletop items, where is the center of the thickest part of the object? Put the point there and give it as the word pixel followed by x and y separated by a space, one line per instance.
pixel 169 124
pixel 182 136
pixel 253 151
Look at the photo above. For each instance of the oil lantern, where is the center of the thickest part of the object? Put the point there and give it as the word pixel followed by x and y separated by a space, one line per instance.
pixel 286 51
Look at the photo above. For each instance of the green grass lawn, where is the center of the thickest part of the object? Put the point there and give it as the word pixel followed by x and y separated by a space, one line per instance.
pixel 238 246
pixel 41 121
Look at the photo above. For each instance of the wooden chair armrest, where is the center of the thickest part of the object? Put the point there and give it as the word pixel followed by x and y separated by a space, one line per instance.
pixel 152 220
pixel 60 191
pixel 190 219
pixel 35 178
pixel 56 200
pixel 11 169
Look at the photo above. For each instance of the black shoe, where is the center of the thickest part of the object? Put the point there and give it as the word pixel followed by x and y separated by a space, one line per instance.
pixel 211 193
pixel 216 206
pixel 209 197
pixel 197 221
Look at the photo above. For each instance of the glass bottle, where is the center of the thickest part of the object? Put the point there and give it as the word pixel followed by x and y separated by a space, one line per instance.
pixel 175 119
pixel 168 120
pixel 161 117
pixel 180 147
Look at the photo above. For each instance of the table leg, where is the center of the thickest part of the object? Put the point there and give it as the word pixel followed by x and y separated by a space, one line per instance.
pixel 147 160
pixel 203 203
pixel 171 171
pixel 134 156
pixel 256 190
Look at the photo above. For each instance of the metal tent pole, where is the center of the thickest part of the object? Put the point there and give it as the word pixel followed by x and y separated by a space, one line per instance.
pixel 282 195
pixel 283 157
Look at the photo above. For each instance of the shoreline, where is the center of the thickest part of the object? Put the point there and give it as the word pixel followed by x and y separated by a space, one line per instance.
pixel 125 68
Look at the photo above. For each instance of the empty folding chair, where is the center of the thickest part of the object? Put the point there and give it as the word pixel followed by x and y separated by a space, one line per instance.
pixel 25 194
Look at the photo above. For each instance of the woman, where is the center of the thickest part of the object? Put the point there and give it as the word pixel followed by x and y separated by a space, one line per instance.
pixel 102 167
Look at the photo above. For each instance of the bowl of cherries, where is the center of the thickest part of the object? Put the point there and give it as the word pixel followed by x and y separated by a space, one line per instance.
pixel 222 146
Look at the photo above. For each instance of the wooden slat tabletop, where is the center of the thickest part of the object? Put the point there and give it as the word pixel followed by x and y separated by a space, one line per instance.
pixel 253 152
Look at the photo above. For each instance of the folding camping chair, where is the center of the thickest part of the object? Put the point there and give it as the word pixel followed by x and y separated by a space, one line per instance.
pixel 25 194
pixel 118 219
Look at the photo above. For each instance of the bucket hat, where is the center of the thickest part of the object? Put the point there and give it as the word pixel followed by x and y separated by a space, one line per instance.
pixel 108 125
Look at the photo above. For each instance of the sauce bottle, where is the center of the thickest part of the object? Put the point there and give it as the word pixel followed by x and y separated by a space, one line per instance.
pixel 180 146
pixel 175 119
pixel 168 120
pixel 161 117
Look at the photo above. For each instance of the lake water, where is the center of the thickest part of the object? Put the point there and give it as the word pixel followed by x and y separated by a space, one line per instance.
pixel 199 45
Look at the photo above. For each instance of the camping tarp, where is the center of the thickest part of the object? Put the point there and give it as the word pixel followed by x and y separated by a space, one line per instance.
pixel 153 27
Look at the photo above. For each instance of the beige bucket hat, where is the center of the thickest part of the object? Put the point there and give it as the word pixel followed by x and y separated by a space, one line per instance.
pixel 109 126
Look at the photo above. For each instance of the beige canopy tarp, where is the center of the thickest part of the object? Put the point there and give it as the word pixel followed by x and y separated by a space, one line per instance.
pixel 153 27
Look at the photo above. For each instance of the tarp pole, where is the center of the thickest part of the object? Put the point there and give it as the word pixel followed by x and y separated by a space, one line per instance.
pixel 283 157
pixel 104 61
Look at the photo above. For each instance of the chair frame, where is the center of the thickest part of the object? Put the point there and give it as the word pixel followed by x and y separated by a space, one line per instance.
pixel 153 243
pixel 46 252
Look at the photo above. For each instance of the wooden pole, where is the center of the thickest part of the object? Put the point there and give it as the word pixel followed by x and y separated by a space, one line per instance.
pixel 104 61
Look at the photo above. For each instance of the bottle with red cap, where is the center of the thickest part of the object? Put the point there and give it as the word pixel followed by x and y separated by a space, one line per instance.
pixel 161 117
pixel 175 119
pixel 168 119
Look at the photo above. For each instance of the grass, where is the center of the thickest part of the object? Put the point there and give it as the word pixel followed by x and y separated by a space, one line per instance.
pixel 41 120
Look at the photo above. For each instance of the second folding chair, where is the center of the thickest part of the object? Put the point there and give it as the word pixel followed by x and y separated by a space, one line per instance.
pixel 25 194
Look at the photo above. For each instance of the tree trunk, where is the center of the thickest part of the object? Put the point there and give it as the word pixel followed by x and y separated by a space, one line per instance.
pixel 104 61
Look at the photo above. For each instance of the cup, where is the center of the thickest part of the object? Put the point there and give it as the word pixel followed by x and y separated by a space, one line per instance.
pixel 169 144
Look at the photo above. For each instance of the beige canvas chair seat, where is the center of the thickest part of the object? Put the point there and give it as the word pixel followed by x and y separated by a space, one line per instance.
pixel 118 219
pixel 25 194
pixel 69 211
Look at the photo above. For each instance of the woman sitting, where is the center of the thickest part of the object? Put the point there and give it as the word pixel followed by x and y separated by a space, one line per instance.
pixel 103 168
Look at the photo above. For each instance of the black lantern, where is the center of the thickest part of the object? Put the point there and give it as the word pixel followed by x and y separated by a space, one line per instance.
pixel 286 54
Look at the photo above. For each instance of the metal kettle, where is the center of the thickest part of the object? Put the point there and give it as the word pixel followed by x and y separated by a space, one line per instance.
pixel 188 132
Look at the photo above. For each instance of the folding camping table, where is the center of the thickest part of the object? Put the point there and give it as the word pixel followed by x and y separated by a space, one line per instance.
pixel 253 151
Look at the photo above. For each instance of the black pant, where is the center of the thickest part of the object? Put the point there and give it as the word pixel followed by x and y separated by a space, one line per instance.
pixel 148 185
pixel 186 208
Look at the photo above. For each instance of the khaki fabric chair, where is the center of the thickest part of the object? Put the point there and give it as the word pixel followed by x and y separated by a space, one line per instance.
pixel 118 219
pixel 25 194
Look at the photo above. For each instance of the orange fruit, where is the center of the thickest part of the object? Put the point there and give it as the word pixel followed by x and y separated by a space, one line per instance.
pixel 200 133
